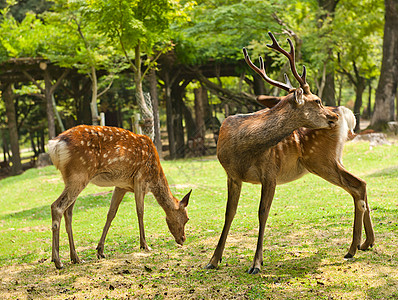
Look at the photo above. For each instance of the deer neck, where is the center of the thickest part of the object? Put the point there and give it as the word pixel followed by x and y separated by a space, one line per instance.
pixel 268 127
pixel 162 193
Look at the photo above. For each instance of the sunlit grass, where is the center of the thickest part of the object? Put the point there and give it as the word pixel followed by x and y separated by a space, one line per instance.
pixel 308 232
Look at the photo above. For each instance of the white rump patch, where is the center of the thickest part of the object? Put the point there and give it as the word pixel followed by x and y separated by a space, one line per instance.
pixel 59 153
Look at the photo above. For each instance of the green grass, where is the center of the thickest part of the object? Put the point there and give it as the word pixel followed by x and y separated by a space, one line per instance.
pixel 308 232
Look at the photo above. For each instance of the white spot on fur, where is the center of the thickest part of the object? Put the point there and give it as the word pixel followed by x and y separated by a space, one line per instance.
pixel 105 155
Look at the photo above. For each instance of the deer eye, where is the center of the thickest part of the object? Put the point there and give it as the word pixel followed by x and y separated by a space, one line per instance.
pixel 318 101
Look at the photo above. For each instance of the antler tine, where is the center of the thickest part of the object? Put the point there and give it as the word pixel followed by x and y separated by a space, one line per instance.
pixel 288 81
pixel 292 60
pixel 263 74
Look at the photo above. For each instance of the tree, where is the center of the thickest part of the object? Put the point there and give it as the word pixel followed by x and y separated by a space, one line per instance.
pixel 8 96
pixel 387 88
pixel 141 27
pixel 359 29
pixel 76 43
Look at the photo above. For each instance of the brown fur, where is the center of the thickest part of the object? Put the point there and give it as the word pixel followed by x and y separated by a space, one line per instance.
pixel 110 156
pixel 298 152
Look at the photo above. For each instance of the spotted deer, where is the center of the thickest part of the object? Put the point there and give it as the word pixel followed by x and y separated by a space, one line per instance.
pixel 246 146
pixel 110 156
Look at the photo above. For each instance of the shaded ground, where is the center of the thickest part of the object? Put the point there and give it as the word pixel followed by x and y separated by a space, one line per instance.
pixel 288 273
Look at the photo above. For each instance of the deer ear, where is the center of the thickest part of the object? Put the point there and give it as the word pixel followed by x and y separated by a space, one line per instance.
pixel 184 201
pixel 298 96
pixel 268 101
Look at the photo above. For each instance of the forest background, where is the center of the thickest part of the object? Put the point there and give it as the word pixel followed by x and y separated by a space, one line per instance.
pixel 179 65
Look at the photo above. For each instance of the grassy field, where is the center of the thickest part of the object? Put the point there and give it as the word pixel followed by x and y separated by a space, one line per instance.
pixel 308 233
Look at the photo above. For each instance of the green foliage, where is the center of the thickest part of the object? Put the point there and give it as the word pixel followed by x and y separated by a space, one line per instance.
pixel 359 26
pixel 75 41
pixel 129 23
pixel 220 29
pixel 20 39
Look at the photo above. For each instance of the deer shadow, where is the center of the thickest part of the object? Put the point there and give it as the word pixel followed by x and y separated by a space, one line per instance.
pixel 390 172
pixel 83 203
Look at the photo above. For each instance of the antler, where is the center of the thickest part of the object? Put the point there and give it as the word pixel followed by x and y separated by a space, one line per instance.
pixel 261 71
pixel 291 56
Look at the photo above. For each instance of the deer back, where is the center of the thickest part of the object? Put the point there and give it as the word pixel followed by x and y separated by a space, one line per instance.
pixel 107 156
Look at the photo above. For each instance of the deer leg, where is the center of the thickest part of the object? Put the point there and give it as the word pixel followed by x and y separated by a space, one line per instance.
pixel 68 225
pixel 117 198
pixel 267 195
pixel 64 201
pixel 234 188
pixel 339 176
pixel 139 205
pixel 370 236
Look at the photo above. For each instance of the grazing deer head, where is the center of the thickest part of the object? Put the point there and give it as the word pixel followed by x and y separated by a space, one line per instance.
pixel 109 156
pixel 246 143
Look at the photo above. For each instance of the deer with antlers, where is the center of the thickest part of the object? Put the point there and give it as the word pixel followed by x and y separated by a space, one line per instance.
pixel 110 156
pixel 267 148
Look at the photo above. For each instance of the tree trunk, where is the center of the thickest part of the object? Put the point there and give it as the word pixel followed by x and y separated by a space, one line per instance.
pixel 146 112
pixel 359 89
pixel 388 81
pixel 370 99
pixel 49 106
pixel 94 91
pixel 5 144
pixel 12 128
pixel 155 106
pixel 170 117
pixel 199 111
pixel 42 141
pixel 329 94
pixel 190 125
pixel 32 144
pixel 176 96
pixel 340 90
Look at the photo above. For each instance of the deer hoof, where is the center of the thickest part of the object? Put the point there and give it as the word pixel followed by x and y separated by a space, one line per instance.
pixel 253 271
pixel 76 261
pixel 210 267
pixel 100 255
pixel 365 246
pixel 146 248
pixel 348 256
pixel 58 264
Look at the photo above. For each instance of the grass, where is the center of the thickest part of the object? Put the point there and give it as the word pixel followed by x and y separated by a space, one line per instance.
pixel 308 232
